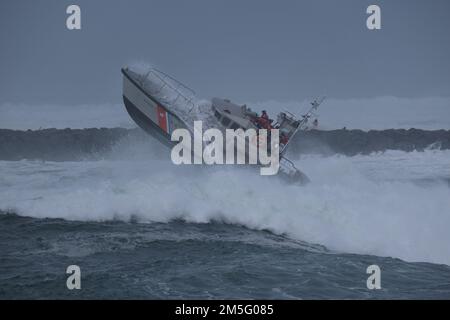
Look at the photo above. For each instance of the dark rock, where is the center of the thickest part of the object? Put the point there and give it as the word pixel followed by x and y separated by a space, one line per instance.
pixel 351 142
pixel 80 144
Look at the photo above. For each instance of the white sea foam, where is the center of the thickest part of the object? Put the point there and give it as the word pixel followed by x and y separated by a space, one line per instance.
pixel 362 204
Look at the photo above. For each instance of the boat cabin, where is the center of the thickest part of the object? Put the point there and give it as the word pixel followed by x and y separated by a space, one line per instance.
pixel 233 116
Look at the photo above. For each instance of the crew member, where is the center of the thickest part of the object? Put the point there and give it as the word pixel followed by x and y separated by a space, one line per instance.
pixel 264 115
pixel 265 121
pixel 283 138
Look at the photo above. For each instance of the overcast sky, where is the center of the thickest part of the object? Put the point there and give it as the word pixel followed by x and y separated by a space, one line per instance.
pixel 245 50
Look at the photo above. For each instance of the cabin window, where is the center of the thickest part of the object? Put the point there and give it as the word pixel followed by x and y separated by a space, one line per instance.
pixel 225 121
pixel 234 126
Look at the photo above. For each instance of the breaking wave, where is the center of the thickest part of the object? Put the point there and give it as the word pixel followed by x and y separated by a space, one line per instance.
pixel 361 204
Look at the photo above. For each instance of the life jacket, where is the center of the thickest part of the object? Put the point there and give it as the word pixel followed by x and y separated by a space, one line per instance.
pixel 264 123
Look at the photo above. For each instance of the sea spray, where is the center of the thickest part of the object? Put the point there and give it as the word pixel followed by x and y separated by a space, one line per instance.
pixel 348 207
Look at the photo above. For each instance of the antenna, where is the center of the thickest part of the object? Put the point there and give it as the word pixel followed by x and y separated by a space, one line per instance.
pixel 302 123
pixel 311 112
pixel 317 102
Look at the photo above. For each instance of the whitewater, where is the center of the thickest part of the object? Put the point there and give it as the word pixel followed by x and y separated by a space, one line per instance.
pixel 392 204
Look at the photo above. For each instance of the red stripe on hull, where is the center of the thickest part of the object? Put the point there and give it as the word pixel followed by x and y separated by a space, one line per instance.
pixel 162 118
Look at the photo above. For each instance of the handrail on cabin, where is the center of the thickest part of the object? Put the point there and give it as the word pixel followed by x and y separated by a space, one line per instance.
pixel 163 78
pixel 288 164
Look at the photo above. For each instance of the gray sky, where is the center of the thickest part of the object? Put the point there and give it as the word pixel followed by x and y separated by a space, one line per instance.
pixel 246 50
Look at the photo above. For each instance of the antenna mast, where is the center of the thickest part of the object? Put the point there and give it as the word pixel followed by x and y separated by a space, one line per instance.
pixel 302 123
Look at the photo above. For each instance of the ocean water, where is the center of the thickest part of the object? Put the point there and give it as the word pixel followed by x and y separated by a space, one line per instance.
pixel 139 227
